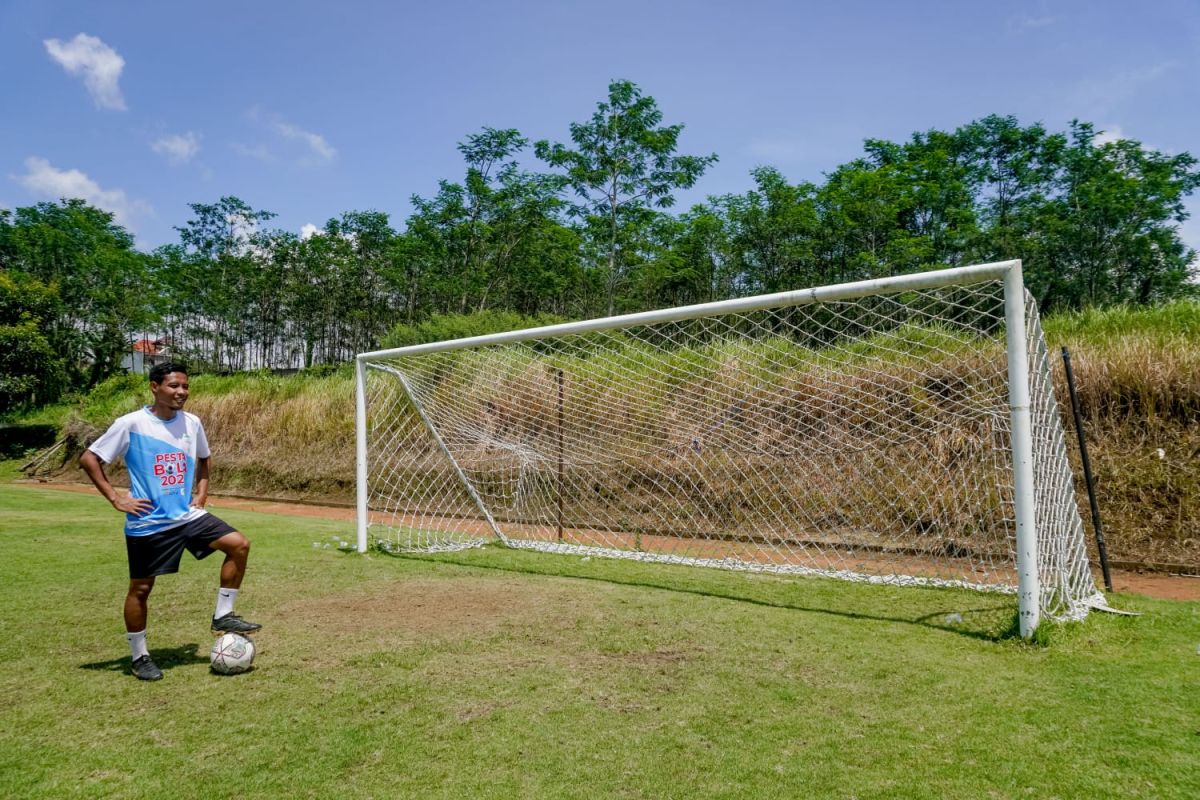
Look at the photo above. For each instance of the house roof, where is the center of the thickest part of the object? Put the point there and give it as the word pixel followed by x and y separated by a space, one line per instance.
pixel 149 346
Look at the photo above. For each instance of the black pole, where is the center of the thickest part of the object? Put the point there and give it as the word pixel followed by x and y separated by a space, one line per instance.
pixel 1087 471
pixel 560 455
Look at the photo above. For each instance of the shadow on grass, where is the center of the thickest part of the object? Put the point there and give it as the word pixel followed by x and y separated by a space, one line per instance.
pixel 165 657
pixel 994 623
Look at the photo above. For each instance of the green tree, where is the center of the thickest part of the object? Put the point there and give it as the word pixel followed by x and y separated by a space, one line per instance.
pixel 935 211
pixel 861 206
pixel 99 278
pixel 774 232
pixel 363 243
pixel 223 280
pixel 1113 222
pixel 1094 224
pixel 622 167
pixel 492 240
pixel 32 371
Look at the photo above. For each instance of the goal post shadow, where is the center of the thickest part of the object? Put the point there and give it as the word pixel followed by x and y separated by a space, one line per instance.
pixel 892 421
pixel 993 622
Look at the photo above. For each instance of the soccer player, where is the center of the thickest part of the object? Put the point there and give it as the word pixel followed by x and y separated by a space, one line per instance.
pixel 166 453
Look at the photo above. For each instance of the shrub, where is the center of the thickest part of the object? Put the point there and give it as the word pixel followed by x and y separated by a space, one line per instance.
pixel 442 327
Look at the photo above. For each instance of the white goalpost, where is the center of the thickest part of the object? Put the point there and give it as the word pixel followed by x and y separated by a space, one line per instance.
pixel 900 430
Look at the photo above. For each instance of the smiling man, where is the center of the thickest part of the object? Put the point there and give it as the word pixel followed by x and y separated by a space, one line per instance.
pixel 166 453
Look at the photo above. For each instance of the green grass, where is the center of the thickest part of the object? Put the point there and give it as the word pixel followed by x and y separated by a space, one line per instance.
pixel 1165 324
pixel 496 673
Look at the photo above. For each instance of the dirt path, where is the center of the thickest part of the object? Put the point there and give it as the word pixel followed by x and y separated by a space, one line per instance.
pixel 1151 584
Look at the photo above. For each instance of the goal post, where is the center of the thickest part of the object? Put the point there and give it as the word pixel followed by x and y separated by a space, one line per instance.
pixel 898 430
pixel 1024 500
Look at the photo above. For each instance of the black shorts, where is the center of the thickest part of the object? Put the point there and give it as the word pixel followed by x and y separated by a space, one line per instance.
pixel 159 553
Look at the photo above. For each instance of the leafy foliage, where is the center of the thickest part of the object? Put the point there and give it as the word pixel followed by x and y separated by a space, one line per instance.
pixel 1095 224
pixel 622 168
pixel 441 327
pixel 99 278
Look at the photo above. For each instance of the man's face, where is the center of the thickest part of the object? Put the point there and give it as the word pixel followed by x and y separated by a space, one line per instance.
pixel 172 392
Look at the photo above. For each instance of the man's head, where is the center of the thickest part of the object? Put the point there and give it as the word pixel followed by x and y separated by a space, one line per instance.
pixel 169 385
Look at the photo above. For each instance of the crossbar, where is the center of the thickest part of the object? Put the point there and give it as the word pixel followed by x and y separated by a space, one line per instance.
pixel 842 291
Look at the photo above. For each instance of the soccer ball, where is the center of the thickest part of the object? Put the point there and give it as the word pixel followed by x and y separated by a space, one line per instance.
pixel 232 653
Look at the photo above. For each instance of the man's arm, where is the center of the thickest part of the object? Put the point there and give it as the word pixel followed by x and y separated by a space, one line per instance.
pixel 200 487
pixel 94 469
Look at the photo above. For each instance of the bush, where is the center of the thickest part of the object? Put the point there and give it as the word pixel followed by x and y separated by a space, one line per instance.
pixel 17 440
pixel 31 373
pixel 443 327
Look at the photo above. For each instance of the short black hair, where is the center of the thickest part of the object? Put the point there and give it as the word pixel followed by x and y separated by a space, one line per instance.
pixel 160 371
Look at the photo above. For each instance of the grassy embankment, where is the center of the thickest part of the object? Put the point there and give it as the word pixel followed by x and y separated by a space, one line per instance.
pixel 1138 374
pixel 497 673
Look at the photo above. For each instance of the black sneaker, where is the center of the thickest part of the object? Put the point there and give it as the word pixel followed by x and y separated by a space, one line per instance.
pixel 232 623
pixel 146 670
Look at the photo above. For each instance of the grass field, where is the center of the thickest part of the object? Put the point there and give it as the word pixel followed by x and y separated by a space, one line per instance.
pixel 495 673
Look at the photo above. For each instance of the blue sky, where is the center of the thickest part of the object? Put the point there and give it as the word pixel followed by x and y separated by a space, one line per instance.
pixel 310 109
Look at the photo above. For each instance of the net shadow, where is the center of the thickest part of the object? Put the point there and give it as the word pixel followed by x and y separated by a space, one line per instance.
pixel 991 623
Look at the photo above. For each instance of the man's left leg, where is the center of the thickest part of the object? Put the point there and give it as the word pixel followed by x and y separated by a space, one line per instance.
pixel 236 548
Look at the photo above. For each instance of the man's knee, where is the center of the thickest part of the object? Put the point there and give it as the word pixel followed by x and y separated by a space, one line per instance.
pixel 140 588
pixel 233 544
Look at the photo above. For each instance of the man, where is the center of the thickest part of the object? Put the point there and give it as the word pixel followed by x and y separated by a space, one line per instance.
pixel 166 453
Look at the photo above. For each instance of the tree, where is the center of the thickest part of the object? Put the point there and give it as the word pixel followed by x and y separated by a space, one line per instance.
pixel 774 231
pixel 363 242
pixel 100 280
pixel 1094 224
pixel 492 240
pixel 622 167
pixel 1114 219
pixel 32 371
pixel 221 282
pixel 935 210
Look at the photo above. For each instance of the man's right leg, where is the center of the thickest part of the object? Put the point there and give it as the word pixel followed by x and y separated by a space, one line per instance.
pixel 135 628
pixel 135 603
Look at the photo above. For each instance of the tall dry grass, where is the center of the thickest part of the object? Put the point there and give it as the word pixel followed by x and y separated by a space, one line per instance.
pixel 1137 370
pixel 276 437
pixel 1138 381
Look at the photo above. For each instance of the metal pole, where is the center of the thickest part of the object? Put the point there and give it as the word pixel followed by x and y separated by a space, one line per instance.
pixel 560 454
pixel 1024 499
pixel 1087 471
pixel 360 447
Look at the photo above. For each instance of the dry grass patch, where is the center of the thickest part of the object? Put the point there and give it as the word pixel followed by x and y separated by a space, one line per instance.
pixel 446 609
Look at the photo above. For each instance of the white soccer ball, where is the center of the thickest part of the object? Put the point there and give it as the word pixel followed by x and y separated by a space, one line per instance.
pixel 232 653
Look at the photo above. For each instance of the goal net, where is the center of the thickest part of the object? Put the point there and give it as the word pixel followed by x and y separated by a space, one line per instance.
pixel 902 431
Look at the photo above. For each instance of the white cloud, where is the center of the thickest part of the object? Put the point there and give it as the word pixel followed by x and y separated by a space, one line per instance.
pixel 315 148
pixel 1035 22
pixel 778 149
pixel 44 180
pixel 259 151
pixel 98 63
pixel 179 148
pixel 308 230
pixel 314 141
pixel 1094 98
pixel 1111 133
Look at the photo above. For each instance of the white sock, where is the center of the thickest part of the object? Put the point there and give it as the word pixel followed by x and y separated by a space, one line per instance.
pixel 225 598
pixel 137 644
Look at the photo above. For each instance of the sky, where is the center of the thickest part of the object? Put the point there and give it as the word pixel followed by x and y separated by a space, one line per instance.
pixel 311 109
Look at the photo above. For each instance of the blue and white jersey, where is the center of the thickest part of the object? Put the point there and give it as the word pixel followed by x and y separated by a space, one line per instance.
pixel 161 458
